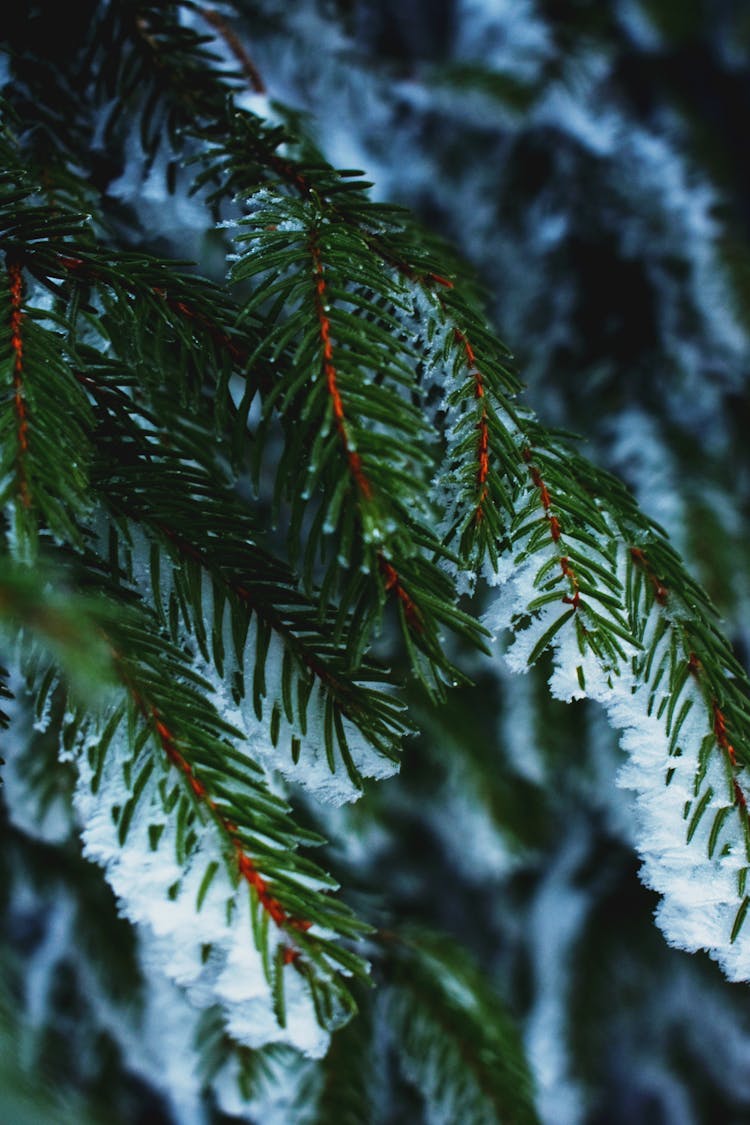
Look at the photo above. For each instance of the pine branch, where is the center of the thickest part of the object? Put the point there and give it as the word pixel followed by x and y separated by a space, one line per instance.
pixel 455 1041
pixel 357 438
pixel 166 720
pixel 159 489
pixel 42 470
pixel 668 680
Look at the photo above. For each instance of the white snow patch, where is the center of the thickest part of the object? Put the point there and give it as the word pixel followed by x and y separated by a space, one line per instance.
pixel 158 893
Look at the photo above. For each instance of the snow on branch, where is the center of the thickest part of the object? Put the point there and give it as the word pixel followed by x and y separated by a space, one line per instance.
pixel 667 681
pixel 200 854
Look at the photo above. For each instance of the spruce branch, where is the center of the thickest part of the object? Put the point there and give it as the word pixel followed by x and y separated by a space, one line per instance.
pixel 158 490
pixel 166 708
pixel 348 374
pixel 43 471
pixel 659 665
pixel 19 403
pixel 355 429
pixel 456 1042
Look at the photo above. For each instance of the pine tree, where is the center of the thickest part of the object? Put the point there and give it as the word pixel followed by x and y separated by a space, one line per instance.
pixel 261 519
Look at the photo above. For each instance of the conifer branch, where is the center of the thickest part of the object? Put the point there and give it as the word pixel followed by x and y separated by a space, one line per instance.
pixel 259 839
pixel 353 458
pixel 358 407
pixel 246 867
pixel 44 478
pixel 19 403
pixel 235 45
pixel 656 660
pixel 474 1067
pixel 349 374
pixel 157 487
pixel 483 460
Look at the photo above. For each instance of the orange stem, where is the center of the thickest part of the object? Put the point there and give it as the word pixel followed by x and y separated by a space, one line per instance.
pixel 483 443
pixel 393 584
pixel 245 864
pixel 15 277
pixel 217 21
pixel 661 593
pixel 329 369
pixel 555 530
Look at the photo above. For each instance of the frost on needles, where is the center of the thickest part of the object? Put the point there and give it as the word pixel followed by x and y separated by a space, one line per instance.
pixel 628 628
pixel 256 480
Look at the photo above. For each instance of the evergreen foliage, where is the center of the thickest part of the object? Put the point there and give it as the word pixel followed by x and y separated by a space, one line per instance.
pixel 258 523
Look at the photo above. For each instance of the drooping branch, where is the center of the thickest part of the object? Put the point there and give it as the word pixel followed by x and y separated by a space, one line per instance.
pixel 696 669
pixel 392 581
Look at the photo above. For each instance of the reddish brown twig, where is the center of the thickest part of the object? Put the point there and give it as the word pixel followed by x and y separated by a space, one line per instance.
pixel 235 45
pixel 15 280
pixel 394 585
pixel 353 458
pixel 574 598
pixel 245 865
pixel 483 442
pixel 661 593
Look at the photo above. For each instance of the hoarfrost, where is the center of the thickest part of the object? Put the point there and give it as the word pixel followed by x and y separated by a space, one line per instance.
pixel 280 1097
pixel 325 781
pixel 685 799
pixel 30 806
pixel 208 952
